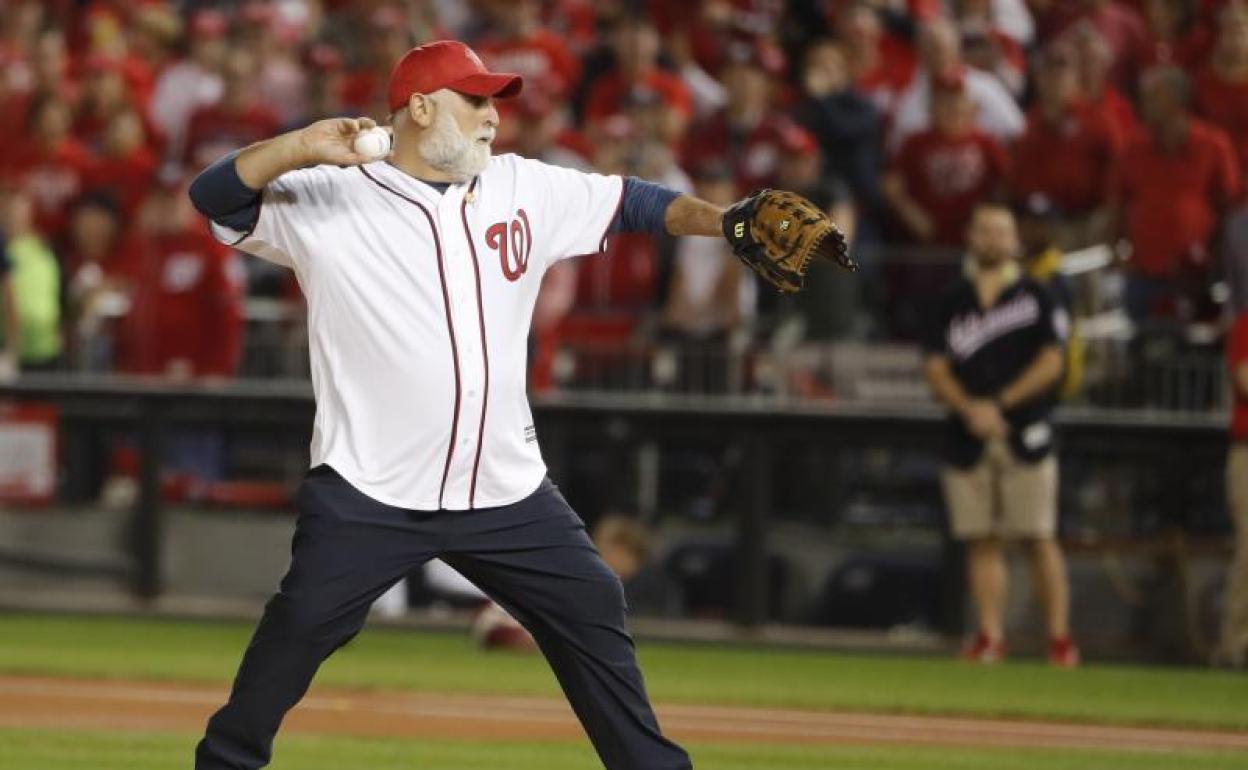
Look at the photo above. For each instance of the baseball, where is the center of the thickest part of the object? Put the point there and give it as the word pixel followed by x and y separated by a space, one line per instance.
pixel 372 143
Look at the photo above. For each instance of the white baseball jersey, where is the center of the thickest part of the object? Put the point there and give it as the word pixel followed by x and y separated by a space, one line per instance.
pixel 418 316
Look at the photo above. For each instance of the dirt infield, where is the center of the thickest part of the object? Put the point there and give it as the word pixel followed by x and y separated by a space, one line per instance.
pixel 32 702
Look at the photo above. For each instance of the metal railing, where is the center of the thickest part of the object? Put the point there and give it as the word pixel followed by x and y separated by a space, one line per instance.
pixel 1179 453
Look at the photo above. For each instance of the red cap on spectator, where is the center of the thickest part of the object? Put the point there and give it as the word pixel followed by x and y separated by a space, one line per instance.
pixel 97 63
pixel 797 140
pixel 617 127
pixel 447 64
pixel 763 54
pixel 209 23
pixel 323 57
pixel 387 17
pixel 535 103
pixel 256 13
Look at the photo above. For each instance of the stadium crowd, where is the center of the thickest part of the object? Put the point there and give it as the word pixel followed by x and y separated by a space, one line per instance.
pixel 1099 121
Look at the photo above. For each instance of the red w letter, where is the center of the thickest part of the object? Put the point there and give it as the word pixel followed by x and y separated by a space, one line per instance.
pixel 520 236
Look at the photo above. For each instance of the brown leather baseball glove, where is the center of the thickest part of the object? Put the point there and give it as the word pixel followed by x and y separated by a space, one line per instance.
pixel 777 232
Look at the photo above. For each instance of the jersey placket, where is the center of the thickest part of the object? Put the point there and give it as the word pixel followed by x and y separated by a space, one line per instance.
pixel 466 315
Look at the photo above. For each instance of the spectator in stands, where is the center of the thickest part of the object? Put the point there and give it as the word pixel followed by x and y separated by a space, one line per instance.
pixel 710 296
pixel 237 120
pixel 705 90
pixel 193 82
pixel 33 280
pixel 51 166
pixel 1176 34
pixel 186 316
pixel 14 101
pixel 828 305
pixel 1039 227
pixel 614 294
pixel 539 127
pixel 993 357
pixel 10 342
pixel 327 76
pixel 153 37
pixel 847 126
pixel 627 546
pixel 1118 24
pixel 98 279
pixel 988 50
pixel 50 68
pixel 389 36
pixel 1062 125
pixel 127 166
pixel 711 29
pixel 1094 59
pixel 996 112
pixel 104 95
pixel 636 46
pixel 19 27
pixel 940 174
pixel 1233 645
pixel 1005 18
pixel 517 42
pixel 1171 190
pixel 881 65
pixel 1222 87
pixel 747 131
pixel 280 73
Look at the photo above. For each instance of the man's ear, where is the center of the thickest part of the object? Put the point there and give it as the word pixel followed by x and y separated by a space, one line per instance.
pixel 420 109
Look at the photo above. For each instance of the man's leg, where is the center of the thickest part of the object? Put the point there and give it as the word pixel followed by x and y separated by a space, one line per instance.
pixel 536 560
pixel 1029 509
pixel 1233 646
pixel 971 496
pixel 986 572
pixel 339 566
pixel 1049 574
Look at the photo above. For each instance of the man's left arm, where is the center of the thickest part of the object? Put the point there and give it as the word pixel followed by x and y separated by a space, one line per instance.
pixel 1041 375
pixel 647 207
pixel 1241 379
pixel 688 215
pixel 1045 370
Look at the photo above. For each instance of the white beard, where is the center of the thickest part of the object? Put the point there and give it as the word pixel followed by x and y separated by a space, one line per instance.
pixel 447 149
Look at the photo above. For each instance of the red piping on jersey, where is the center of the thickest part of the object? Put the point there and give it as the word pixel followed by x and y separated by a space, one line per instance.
pixel 602 243
pixel 485 356
pixel 446 304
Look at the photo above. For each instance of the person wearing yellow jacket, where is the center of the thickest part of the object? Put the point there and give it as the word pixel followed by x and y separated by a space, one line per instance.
pixel 1042 261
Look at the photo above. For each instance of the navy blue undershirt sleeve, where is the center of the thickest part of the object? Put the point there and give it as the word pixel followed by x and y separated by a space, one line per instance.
pixel 643 207
pixel 219 194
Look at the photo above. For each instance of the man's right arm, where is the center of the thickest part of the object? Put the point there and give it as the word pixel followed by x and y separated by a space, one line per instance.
pixel 228 191
pixel 944 385
pixel 982 418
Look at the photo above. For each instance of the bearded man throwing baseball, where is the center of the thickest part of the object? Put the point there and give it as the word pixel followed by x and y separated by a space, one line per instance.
pixel 420 272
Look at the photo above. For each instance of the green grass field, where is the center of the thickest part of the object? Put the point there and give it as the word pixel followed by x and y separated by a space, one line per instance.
pixel 440 662
pixel 46 750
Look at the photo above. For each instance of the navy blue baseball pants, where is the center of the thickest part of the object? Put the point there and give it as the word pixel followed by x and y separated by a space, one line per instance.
pixel 532 557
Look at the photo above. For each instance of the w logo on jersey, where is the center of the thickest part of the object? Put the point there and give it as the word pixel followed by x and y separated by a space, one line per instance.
pixel 513 241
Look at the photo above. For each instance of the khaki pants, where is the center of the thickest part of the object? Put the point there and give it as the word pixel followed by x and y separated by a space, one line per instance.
pixel 1235 621
pixel 1002 496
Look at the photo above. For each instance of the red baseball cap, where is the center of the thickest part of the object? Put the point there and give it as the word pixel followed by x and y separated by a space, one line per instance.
pixel 797 140
pixel 447 64
pixel 209 24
